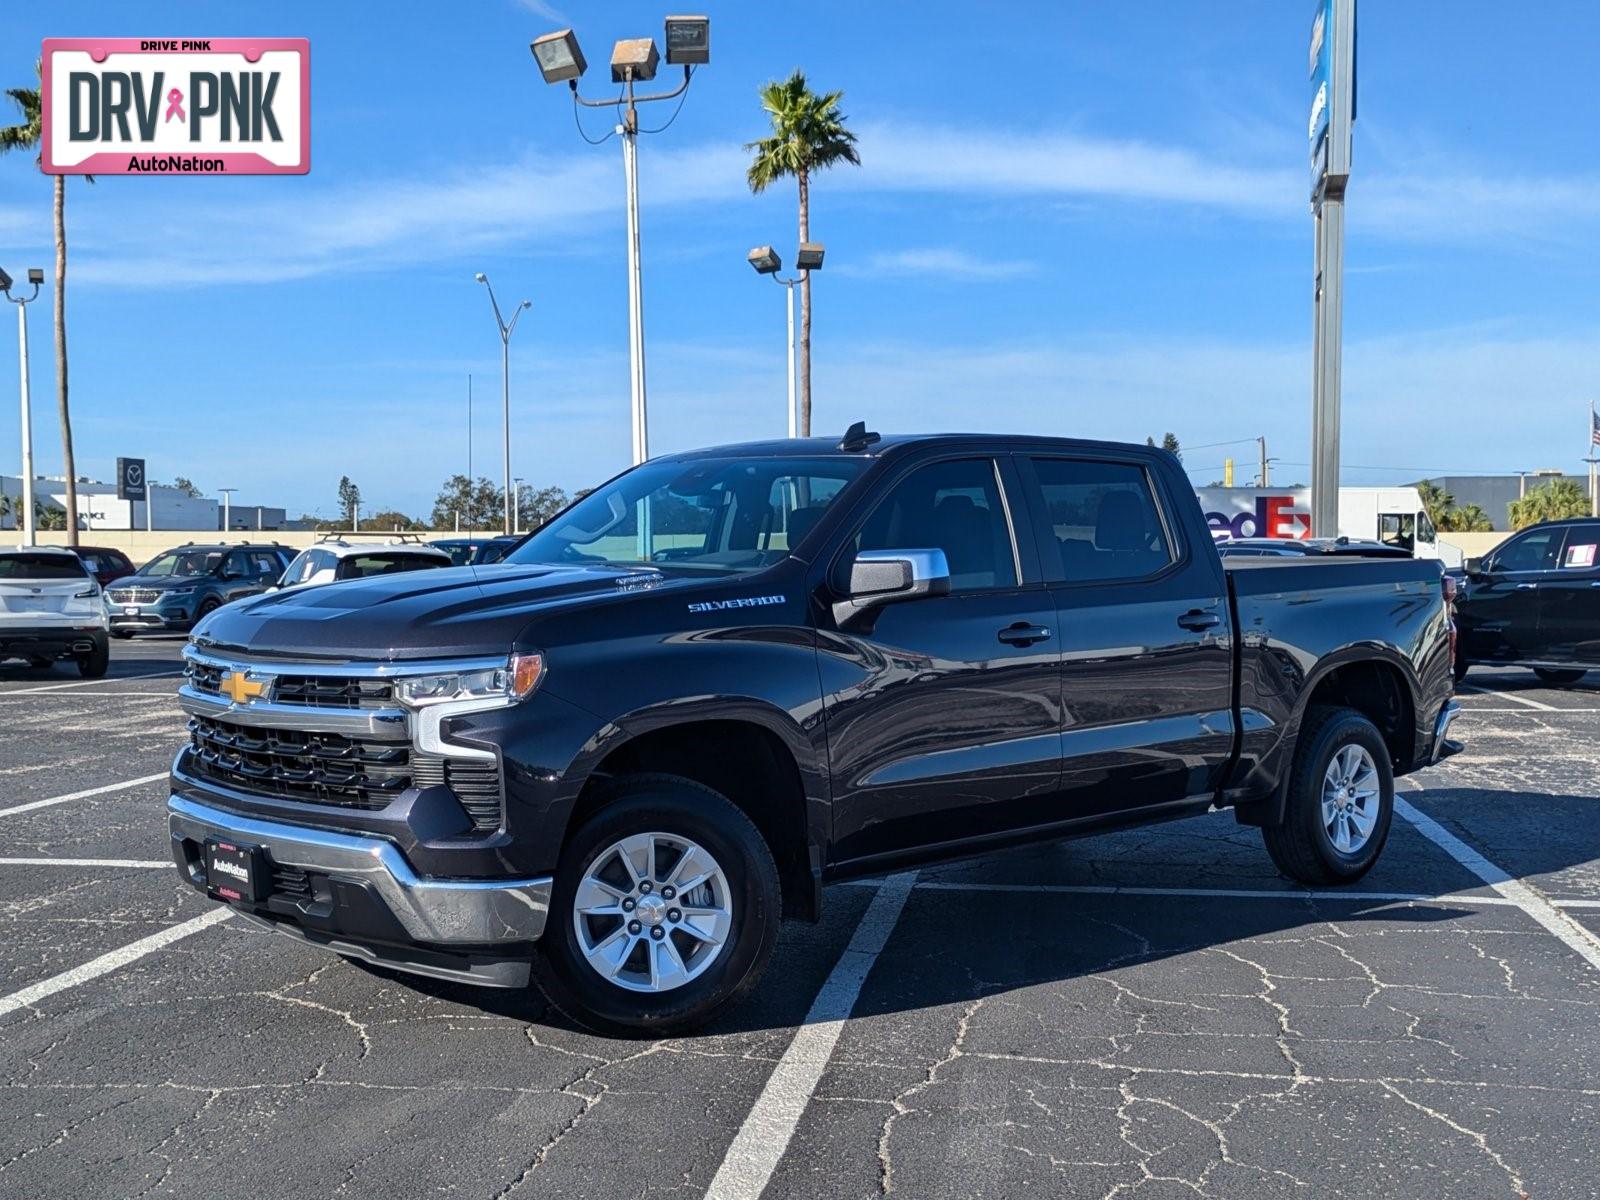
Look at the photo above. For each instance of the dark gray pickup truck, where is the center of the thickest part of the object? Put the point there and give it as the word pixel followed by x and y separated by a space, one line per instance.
pixel 615 759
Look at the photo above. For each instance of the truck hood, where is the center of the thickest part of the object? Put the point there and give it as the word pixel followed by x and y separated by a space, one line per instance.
pixel 450 612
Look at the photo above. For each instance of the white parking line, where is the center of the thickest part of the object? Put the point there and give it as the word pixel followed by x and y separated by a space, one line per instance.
pixel 1523 712
pixel 748 1165
pixel 82 683
pixel 1512 696
pixel 110 961
pixel 83 795
pixel 85 862
pixel 1529 901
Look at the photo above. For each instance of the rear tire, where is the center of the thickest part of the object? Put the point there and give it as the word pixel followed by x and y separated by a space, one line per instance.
pixel 122 633
pixel 1461 669
pixel 1558 678
pixel 629 1000
pixel 93 664
pixel 1333 833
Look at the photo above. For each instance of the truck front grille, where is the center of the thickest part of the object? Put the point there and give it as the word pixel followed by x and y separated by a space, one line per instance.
pixel 290 882
pixel 332 691
pixel 317 768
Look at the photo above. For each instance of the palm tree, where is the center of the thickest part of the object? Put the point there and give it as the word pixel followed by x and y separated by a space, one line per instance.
pixel 27 136
pixel 808 134
pixel 1550 502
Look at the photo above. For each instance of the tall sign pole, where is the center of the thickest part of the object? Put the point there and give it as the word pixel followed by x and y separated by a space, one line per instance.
pixel 1332 63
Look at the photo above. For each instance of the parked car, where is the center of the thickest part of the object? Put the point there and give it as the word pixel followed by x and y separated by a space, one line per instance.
pixel 105 564
pixel 614 762
pixel 334 559
pixel 495 549
pixel 461 550
pixel 50 609
pixel 1339 547
pixel 1534 601
pixel 185 584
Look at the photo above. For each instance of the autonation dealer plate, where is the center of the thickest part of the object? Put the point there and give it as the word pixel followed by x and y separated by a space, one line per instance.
pixel 176 106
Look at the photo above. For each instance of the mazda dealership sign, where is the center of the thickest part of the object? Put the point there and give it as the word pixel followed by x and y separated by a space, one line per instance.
pixel 176 106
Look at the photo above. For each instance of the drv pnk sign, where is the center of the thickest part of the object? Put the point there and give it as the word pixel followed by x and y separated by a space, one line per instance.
pixel 176 106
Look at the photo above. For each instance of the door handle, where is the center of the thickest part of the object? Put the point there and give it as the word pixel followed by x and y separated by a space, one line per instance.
pixel 1526 587
pixel 1199 620
pixel 1023 634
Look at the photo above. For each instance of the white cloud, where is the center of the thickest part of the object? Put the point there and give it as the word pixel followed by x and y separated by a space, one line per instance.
pixel 278 230
pixel 549 12
pixel 988 161
pixel 942 263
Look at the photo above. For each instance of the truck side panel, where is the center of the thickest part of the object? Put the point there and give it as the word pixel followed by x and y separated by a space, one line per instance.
pixel 1301 624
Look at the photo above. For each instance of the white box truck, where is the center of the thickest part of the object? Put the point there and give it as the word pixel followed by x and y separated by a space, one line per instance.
pixel 1392 515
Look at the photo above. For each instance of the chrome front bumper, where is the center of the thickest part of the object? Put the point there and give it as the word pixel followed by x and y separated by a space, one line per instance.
pixel 441 912
pixel 1443 747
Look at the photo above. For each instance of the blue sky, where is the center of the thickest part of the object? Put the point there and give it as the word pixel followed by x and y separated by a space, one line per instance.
pixel 1072 218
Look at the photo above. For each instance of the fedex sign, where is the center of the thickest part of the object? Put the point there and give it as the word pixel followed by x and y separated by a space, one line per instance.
pixel 1256 512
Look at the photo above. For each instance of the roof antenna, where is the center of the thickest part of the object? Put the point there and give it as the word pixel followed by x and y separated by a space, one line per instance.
pixel 858 437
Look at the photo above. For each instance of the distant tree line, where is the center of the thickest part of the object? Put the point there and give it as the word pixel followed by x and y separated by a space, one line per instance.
pixel 462 503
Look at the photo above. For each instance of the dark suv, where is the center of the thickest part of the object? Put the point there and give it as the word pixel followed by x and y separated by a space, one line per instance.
pixel 1534 601
pixel 175 589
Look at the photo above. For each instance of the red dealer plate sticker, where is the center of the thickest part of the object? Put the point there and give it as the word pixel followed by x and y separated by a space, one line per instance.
pixel 176 106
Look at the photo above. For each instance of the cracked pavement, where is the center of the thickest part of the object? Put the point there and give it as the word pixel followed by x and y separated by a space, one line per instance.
pixel 1009 1040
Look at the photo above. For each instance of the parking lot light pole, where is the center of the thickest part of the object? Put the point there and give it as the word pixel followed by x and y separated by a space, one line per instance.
pixel 506 330
pixel 227 508
pixel 766 261
pixel 26 521
pixel 633 60
pixel 516 506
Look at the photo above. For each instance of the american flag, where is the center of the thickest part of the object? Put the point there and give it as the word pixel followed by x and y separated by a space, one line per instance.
pixel 1594 427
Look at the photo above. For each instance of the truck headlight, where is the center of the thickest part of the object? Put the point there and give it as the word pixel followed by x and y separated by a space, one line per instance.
pixel 513 680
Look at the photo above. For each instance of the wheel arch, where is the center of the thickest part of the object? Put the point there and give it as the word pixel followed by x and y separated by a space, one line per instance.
pixel 754 755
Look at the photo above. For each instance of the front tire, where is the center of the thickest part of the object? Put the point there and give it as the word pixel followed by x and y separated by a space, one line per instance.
pixel 625 951
pixel 1340 801
pixel 1558 678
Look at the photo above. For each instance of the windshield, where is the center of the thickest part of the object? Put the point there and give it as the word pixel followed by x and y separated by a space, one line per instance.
pixel 359 566
pixel 183 563
pixel 40 566
pixel 723 515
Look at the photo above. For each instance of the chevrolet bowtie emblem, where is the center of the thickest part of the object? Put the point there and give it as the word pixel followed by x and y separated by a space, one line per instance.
pixel 240 688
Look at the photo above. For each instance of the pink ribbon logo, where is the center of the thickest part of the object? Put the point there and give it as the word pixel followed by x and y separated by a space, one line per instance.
pixel 174 106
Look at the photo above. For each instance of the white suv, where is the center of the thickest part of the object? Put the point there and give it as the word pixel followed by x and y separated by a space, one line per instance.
pixel 333 560
pixel 50 608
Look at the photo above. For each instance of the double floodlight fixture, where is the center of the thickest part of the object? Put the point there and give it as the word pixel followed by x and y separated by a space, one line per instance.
pixel 768 261
pixel 35 277
pixel 688 44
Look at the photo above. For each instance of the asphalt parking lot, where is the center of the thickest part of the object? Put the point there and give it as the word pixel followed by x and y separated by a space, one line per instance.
pixel 1152 1013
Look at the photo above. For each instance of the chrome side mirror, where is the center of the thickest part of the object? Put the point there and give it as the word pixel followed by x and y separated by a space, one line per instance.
pixel 890 576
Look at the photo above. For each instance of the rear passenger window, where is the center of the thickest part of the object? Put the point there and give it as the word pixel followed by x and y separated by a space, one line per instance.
pixel 950 506
pixel 1579 551
pixel 1104 519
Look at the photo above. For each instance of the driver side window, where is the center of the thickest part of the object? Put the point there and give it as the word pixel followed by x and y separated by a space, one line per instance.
pixel 951 506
